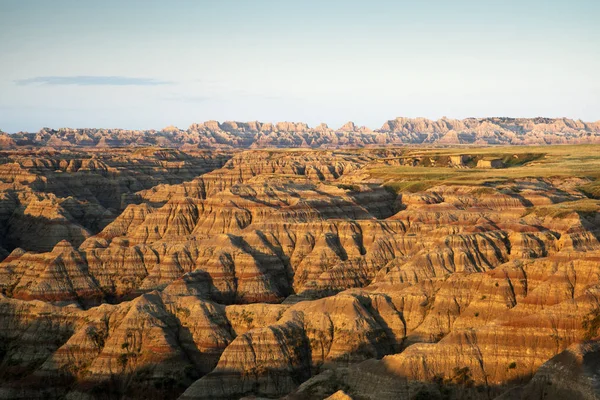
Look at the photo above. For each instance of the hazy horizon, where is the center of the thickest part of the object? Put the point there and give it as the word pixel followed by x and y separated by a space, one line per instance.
pixel 311 126
pixel 150 64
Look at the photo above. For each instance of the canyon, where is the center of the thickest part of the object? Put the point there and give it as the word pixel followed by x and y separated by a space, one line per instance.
pixel 249 260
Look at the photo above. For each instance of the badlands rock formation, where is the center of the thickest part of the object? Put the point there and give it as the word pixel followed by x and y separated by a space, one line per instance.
pixel 229 134
pixel 300 274
pixel 47 196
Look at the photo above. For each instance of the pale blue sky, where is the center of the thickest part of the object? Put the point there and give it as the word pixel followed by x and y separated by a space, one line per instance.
pixel 149 64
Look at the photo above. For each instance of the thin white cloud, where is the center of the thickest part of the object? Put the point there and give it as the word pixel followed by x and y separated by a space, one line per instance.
pixel 188 99
pixel 85 80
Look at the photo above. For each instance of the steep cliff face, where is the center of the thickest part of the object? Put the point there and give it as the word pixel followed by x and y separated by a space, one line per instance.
pixel 301 274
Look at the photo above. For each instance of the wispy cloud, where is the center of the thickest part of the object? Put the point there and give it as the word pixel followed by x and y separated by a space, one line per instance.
pixel 84 80
pixel 188 99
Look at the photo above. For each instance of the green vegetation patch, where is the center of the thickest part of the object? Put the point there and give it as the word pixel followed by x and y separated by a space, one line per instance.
pixel 410 186
pixel 520 163
pixel 585 207
pixel 591 190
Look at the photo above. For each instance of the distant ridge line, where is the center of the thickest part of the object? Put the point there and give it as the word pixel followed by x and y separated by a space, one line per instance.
pixel 254 134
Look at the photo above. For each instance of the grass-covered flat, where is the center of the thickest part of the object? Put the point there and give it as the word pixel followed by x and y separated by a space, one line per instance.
pixel 572 161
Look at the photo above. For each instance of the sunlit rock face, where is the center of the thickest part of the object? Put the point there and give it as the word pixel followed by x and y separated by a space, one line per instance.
pixel 381 273
pixel 399 131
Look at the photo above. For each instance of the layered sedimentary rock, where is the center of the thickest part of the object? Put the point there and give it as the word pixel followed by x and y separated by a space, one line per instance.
pixel 49 196
pixel 230 134
pixel 151 343
pixel 298 274
pixel 60 275
pixel 570 374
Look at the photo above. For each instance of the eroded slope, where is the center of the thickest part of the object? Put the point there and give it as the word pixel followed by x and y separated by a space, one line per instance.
pixel 316 274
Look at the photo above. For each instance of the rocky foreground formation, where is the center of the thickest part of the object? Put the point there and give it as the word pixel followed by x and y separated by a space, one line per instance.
pixel 229 134
pixel 302 275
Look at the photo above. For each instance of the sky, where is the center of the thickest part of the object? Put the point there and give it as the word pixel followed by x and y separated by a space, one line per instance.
pixel 148 64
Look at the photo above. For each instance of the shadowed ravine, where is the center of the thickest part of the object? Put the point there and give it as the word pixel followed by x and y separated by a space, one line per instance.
pixel 373 273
